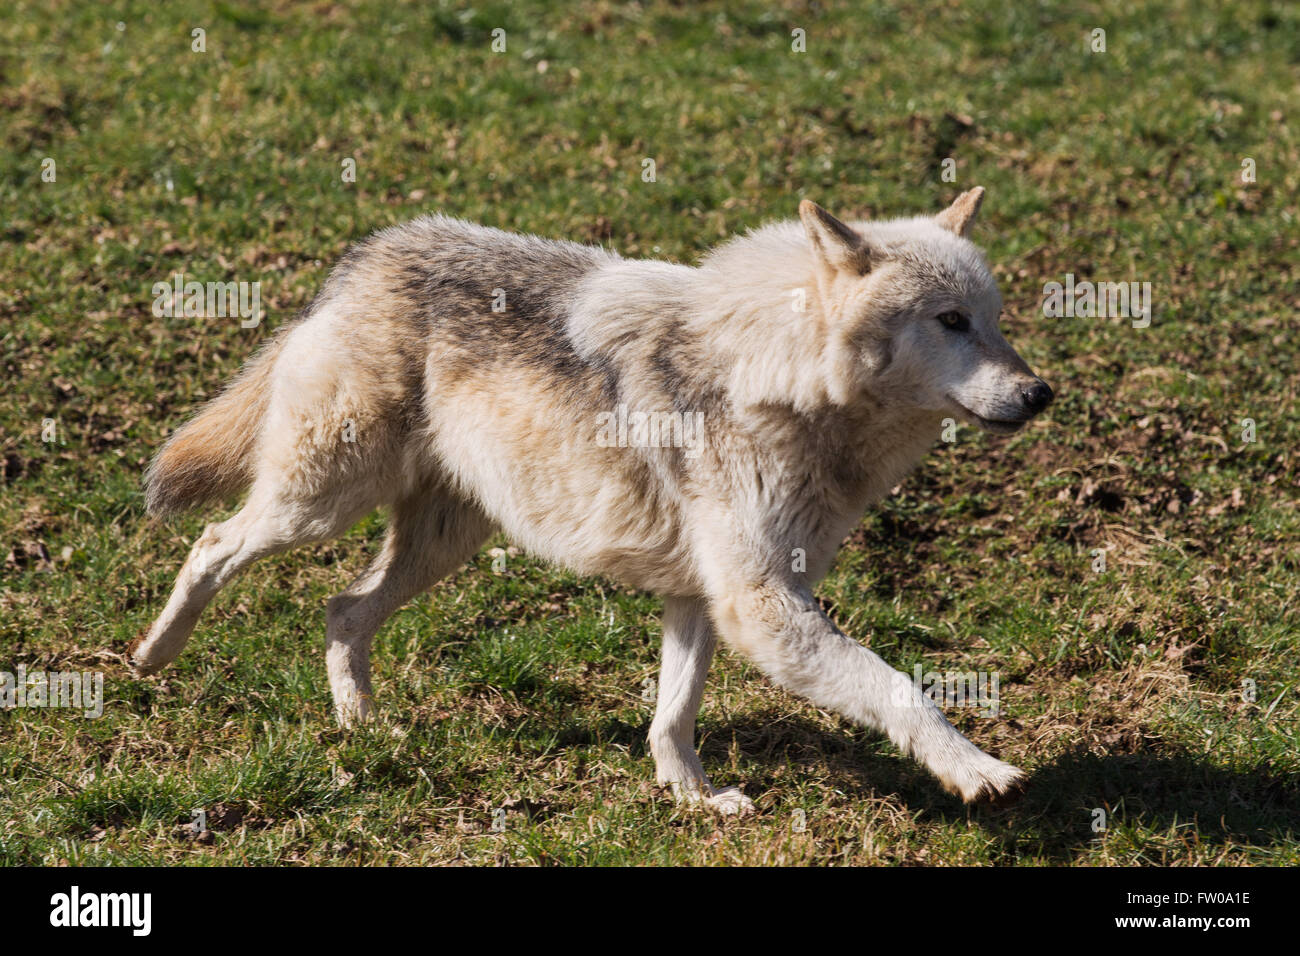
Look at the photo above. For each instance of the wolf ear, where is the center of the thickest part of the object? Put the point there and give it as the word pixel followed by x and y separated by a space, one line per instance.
pixel 960 216
pixel 837 245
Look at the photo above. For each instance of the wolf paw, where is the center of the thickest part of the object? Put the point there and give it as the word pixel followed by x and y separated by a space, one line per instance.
pixel 989 781
pixel 139 670
pixel 729 801
pixel 138 667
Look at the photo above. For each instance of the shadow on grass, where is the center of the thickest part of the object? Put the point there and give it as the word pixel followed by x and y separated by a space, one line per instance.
pixel 586 733
pixel 1158 790
pixel 1209 804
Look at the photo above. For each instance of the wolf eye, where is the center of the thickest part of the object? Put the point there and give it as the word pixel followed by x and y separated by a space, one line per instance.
pixel 955 321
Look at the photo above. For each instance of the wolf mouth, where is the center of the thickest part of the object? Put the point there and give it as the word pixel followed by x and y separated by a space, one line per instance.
pixel 997 426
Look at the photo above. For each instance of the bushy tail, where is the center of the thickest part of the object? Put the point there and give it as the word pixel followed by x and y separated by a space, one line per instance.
pixel 209 457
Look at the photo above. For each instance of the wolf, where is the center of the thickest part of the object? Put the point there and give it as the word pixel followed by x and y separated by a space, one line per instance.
pixel 462 376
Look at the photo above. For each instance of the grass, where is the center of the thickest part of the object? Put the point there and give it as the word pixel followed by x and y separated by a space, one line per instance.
pixel 1122 691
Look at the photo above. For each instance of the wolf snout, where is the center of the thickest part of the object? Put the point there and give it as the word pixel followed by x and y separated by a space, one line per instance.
pixel 1037 395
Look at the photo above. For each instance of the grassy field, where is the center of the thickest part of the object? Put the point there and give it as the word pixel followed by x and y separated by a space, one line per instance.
pixel 1162 691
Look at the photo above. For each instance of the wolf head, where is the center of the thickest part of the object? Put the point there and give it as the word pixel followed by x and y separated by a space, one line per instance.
pixel 913 314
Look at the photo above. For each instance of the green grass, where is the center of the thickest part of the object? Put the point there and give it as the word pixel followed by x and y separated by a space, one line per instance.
pixel 1121 690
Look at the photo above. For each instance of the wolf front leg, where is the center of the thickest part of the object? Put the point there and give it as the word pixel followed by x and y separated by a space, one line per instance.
pixel 688 647
pixel 784 631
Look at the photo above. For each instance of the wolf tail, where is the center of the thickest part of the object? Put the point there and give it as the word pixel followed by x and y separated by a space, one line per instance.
pixel 210 457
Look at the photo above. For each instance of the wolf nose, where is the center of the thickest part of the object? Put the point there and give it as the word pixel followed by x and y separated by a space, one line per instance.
pixel 1037 396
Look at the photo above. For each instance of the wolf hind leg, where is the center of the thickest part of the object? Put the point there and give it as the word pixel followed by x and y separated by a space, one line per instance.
pixel 267 524
pixel 428 537
pixel 688 645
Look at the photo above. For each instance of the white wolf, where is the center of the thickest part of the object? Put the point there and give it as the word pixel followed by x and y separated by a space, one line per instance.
pixel 466 377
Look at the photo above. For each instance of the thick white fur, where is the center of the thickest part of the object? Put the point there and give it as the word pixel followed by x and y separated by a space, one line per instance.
pixel 814 415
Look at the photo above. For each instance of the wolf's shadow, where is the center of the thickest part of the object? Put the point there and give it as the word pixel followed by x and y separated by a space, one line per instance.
pixel 1173 791
pixel 1164 790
